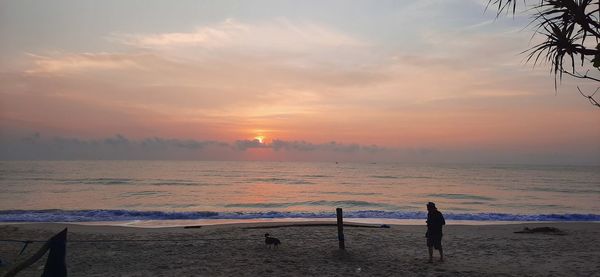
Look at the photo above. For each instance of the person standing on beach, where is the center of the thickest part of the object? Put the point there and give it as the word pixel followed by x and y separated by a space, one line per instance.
pixel 435 221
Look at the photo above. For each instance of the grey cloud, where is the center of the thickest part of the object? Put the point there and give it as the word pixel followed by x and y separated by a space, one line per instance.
pixel 31 139
pixel 39 147
pixel 187 144
pixel 293 145
pixel 117 140
pixel 36 146
pixel 304 146
pixel 116 147
pixel 247 144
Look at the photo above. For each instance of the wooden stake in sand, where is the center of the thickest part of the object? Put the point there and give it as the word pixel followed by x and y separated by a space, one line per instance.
pixel 340 226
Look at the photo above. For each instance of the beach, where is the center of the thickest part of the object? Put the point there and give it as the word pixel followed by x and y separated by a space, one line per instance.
pixel 239 250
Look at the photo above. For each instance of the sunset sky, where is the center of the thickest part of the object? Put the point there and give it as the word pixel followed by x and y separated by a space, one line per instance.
pixel 407 81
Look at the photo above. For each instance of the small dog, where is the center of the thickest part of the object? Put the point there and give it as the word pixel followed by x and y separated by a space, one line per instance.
pixel 271 241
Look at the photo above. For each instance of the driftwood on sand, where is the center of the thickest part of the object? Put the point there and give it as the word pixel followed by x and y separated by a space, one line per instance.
pixel 541 230
pixel 316 225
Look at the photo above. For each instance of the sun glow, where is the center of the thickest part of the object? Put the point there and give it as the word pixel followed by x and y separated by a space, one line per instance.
pixel 260 138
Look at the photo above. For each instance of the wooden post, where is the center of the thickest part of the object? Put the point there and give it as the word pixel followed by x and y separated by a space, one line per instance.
pixel 340 225
pixel 56 266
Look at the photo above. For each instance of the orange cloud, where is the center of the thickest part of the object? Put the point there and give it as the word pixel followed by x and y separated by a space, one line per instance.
pixel 281 34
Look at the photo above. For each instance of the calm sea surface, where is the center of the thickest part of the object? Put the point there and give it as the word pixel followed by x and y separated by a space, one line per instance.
pixel 165 190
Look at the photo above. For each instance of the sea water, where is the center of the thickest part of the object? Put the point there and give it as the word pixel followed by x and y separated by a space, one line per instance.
pixel 163 191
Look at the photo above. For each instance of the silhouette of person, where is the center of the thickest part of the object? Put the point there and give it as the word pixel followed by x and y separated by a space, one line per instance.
pixel 435 221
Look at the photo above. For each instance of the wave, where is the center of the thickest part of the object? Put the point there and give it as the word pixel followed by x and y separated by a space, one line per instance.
pixel 344 193
pixel 460 196
pixel 177 183
pixel 400 177
pixel 384 177
pixel 129 215
pixel 316 176
pixel 281 181
pixel 122 181
pixel 341 203
pixel 100 181
pixel 148 193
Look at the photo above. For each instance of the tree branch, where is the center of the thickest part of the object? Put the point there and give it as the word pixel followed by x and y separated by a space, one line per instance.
pixel 578 75
pixel 590 97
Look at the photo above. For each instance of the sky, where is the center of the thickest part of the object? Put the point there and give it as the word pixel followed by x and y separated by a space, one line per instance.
pixel 366 81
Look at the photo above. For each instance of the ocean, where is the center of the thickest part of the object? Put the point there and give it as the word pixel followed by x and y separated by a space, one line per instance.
pixel 170 191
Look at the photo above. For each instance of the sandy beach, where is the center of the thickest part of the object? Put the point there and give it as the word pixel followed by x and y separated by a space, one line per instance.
pixel 239 250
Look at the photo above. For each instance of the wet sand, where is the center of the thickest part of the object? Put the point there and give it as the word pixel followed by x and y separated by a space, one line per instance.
pixel 236 250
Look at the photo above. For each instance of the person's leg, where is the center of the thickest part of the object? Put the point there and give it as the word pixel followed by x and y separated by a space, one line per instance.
pixel 441 253
pixel 430 253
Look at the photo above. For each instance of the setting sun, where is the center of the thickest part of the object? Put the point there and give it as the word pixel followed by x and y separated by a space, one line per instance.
pixel 260 138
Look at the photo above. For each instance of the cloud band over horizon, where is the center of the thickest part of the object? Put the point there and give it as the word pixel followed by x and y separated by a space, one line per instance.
pixel 119 147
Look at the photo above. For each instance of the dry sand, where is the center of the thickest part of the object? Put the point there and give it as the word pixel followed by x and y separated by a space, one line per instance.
pixel 489 250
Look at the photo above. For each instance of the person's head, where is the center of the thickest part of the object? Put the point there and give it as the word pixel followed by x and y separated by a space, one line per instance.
pixel 431 207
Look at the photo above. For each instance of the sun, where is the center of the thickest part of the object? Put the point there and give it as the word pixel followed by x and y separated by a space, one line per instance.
pixel 260 138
